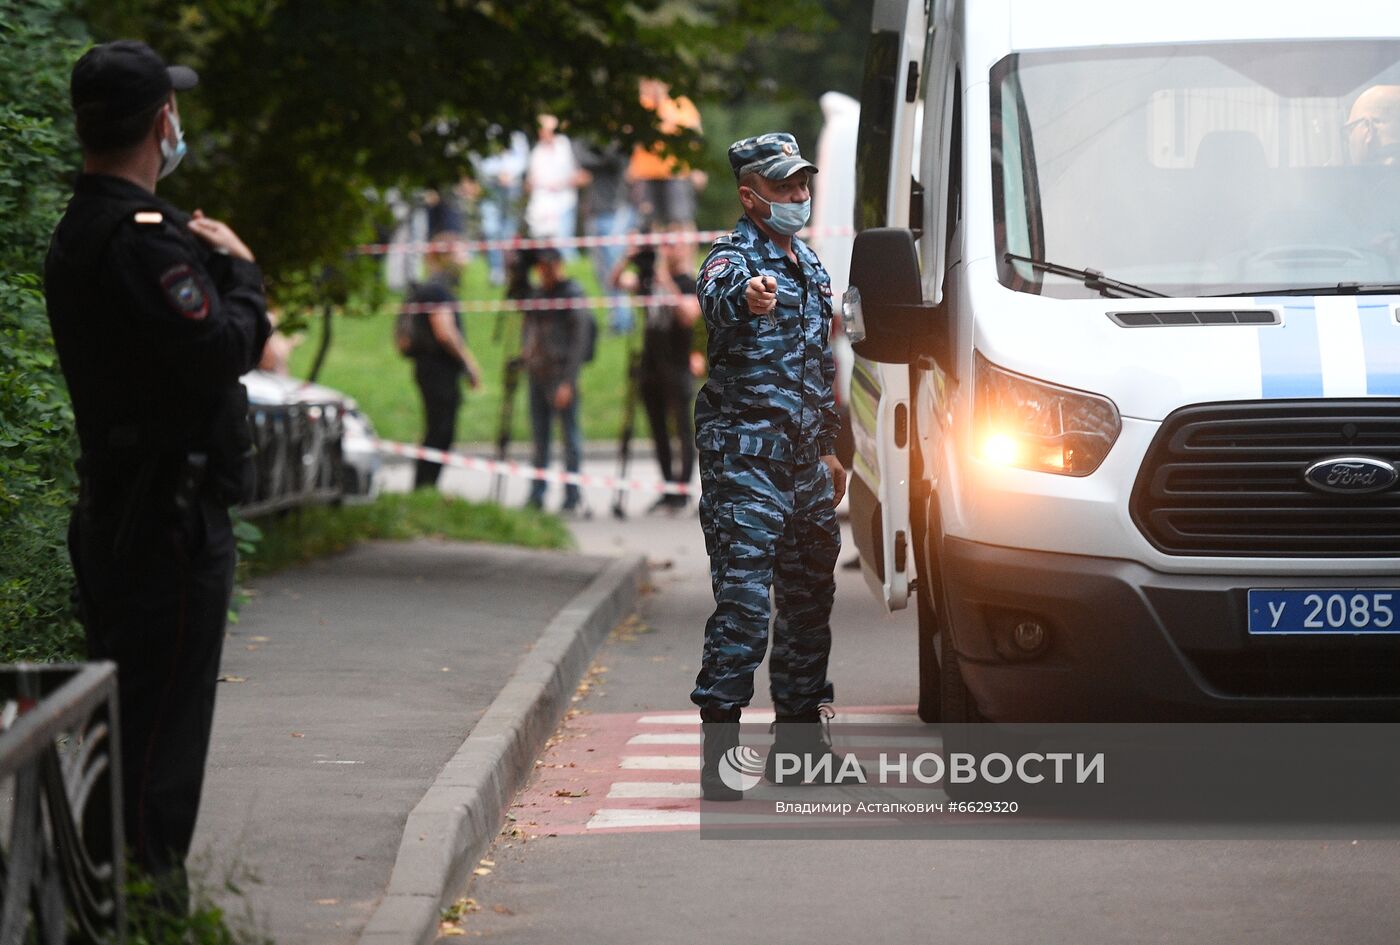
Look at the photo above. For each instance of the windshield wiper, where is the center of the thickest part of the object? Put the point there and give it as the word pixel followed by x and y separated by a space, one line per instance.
pixel 1091 278
pixel 1338 288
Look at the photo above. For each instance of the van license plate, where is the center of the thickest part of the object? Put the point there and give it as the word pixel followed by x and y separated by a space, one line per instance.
pixel 1358 610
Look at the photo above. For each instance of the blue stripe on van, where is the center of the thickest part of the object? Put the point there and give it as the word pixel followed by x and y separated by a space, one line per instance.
pixel 1290 362
pixel 1380 336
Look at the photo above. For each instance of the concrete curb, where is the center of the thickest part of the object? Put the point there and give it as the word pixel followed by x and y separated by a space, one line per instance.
pixel 459 816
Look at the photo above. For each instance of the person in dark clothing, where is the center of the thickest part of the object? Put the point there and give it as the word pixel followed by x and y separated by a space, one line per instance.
pixel 665 370
pixel 609 214
pixel 440 354
pixel 155 314
pixel 445 217
pixel 553 345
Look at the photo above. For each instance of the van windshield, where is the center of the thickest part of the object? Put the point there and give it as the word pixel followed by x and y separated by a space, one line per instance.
pixel 1199 170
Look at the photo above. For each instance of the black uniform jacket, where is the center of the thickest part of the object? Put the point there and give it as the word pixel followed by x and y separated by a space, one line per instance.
pixel 153 329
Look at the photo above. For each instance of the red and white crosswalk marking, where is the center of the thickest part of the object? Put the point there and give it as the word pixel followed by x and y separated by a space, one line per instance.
pixel 641 771
pixel 883 716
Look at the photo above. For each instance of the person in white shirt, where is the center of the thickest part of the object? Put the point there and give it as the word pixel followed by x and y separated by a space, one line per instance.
pixel 552 180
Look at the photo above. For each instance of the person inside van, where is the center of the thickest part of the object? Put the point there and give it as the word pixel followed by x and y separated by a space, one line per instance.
pixel 1373 127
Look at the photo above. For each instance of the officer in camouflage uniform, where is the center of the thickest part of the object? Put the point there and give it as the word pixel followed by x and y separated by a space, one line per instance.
pixel 766 428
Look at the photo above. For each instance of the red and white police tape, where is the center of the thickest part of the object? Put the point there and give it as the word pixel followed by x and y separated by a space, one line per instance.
pixel 538 305
pixel 577 242
pixel 515 470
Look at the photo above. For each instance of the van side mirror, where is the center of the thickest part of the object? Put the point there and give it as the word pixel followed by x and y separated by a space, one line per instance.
pixel 884 311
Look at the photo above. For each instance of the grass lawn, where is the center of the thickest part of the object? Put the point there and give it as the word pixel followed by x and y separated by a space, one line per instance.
pixel 308 533
pixel 363 363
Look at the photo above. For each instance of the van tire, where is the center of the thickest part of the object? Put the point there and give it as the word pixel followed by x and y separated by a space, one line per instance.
pixel 959 729
pixel 958 707
pixel 929 610
pixel 930 670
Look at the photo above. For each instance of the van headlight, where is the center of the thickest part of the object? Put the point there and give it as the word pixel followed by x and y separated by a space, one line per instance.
pixel 1034 425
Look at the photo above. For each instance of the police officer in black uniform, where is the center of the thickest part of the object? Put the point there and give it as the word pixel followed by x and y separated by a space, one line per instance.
pixel 155 314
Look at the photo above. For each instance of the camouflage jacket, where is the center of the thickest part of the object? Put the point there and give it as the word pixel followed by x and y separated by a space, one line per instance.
pixel 770 386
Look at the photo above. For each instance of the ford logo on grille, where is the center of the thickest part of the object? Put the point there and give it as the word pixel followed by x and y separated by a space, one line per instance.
pixel 1351 474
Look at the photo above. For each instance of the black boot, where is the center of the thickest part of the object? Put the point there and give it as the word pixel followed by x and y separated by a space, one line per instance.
pixel 806 736
pixel 720 731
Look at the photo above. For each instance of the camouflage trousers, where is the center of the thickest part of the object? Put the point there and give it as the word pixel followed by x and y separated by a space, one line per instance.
pixel 767 524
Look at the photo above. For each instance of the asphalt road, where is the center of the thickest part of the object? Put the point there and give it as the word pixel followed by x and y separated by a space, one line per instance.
pixel 603 847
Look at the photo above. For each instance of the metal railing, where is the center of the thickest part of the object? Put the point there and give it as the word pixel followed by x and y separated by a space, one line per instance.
pixel 298 456
pixel 62 873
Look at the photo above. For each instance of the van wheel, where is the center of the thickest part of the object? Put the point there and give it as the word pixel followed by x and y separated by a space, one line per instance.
pixel 958 707
pixel 961 731
pixel 930 610
pixel 930 683
pixel 943 697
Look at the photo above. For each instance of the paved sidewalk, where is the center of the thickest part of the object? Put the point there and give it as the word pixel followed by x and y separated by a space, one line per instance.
pixel 351 682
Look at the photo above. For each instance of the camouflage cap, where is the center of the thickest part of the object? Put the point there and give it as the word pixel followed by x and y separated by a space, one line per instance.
pixel 774 155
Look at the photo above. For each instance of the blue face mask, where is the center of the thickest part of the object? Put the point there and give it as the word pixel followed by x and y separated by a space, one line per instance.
pixel 172 154
pixel 787 218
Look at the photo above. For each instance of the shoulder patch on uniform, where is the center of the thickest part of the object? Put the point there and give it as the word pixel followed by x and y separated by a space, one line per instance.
pixel 184 292
pixel 149 217
pixel 715 267
pixel 826 289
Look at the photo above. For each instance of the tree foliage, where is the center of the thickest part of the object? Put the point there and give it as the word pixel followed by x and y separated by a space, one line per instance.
pixel 38 41
pixel 306 106
pixel 788 81
pixel 306 110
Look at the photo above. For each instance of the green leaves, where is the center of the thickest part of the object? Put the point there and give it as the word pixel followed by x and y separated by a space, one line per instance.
pixel 304 107
pixel 246 534
pixel 38 43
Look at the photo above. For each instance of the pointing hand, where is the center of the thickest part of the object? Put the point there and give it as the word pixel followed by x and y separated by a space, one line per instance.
pixel 762 294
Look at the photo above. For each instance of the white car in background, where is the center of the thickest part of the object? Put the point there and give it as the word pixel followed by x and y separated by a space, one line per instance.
pixel 313 445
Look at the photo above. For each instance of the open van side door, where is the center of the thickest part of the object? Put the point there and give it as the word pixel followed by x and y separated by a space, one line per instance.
pixel 887 194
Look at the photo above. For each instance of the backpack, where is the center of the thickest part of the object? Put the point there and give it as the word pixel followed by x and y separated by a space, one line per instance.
pixel 412 336
pixel 590 334
pixel 590 338
pixel 403 334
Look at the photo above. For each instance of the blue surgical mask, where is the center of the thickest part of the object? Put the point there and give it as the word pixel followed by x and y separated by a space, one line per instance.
pixel 172 154
pixel 787 218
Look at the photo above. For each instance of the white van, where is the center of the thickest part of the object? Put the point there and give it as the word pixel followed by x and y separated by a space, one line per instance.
pixel 1127 406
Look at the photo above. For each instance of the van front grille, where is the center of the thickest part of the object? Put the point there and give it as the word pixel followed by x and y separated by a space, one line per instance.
pixel 1249 316
pixel 1227 479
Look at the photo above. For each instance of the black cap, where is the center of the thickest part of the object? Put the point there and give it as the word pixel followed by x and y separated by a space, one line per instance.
pixel 123 78
pixel 548 255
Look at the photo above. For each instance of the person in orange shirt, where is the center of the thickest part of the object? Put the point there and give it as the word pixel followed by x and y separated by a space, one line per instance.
pixel 664 187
